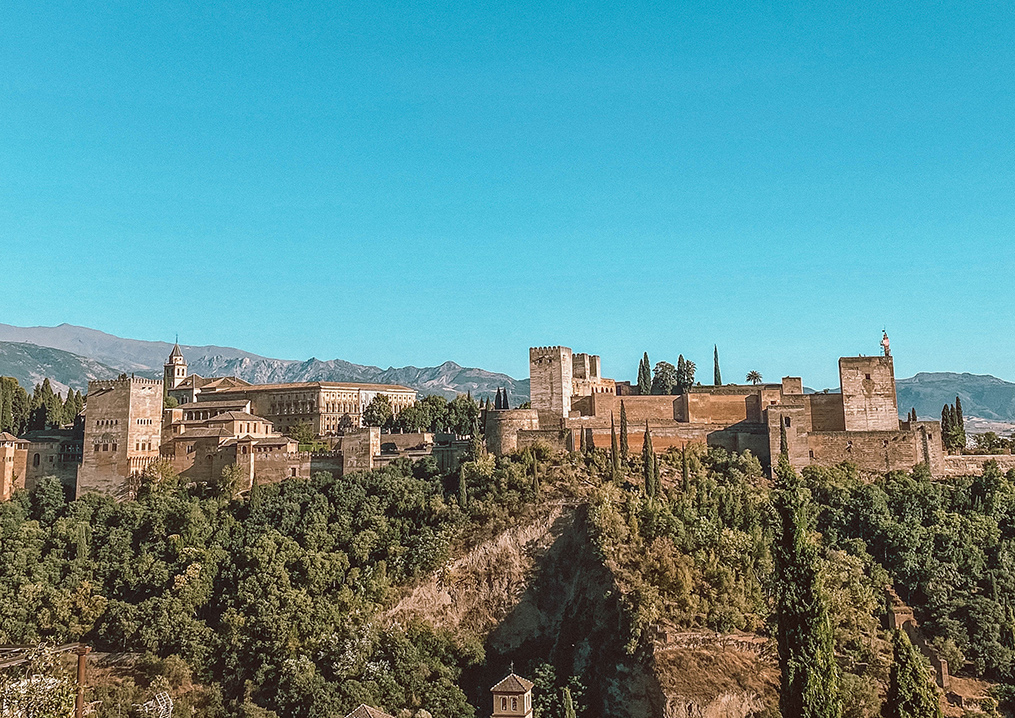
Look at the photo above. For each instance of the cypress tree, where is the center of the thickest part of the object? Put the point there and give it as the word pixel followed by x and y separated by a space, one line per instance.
pixel 624 450
pixel 614 449
pixel 504 401
pixel 717 377
pixel 497 402
pixel 6 407
pixel 463 490
pixel 910 694
pixel 810 680
pixel 589 442
pixel 681 371
pixel 959 421
pixel 684 473
pixel 783 440
pixel 569 711
pixel 656 484
pixel 945 426
pixel 645 376
pixel 648 462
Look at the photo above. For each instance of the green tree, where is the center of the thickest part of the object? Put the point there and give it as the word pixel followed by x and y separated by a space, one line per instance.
pixel 644 376
pixel 810 680
pixel 648 459
pixel 614 449
pixel 910 693
pixel 665 378
pixel 568 703
pixel 783 440
pixel 378 411
pixel 716 376
pixel 754 377
pixel 231 480
pixel 301 432
pixel 624 446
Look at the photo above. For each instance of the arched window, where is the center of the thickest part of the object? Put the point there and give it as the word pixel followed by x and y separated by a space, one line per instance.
pixel 503 704
pixel 514 704
pixel 36 460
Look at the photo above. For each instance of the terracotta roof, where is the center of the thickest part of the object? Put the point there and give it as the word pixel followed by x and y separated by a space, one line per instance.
pixel 213 404
pixel 200 433
pixel 365 711
pixel 4 436
pixel 513 684
pixel 234 416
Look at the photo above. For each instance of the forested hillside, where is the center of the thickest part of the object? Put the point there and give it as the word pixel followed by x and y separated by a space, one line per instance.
pixel 639 590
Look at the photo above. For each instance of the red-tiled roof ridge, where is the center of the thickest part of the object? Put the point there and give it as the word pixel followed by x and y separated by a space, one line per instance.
pixel 513 684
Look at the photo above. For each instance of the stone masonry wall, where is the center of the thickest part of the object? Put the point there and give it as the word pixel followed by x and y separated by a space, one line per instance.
pixel 826 412
pixel 972 465
pixel 868 393
pixel 550 379
pixel 871 450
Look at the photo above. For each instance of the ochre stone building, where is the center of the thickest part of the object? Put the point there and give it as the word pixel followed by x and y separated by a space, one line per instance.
pixel 327 406
pixel 122 432
pixel 13 461
pixel 860 424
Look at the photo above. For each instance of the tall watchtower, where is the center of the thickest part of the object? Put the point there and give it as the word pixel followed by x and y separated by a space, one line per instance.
pixel 512 698
pixel 551 379
pixel 868 393
pixel 175 369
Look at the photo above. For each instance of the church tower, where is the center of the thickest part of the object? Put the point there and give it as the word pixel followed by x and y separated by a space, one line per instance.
pixel 512 697
pixel 175 370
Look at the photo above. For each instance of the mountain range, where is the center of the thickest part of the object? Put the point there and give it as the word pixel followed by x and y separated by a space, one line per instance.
pixel 71 355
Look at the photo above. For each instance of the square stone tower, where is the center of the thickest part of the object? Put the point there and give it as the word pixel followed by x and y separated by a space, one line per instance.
pixel 551 377
pixel 868 393
pixel 123 425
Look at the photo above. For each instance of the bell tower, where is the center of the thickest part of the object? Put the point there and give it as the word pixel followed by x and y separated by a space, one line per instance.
pixel 175 369
pixel 512 697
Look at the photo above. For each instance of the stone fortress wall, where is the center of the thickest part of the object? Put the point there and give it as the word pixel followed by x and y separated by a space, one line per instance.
pixel 860 424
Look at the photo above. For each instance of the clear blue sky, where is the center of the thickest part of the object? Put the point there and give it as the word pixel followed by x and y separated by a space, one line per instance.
pixel 399 183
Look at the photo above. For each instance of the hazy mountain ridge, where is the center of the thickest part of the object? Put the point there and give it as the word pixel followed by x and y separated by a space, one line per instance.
pixel 111 355
pixel 30 364
pixel 982 395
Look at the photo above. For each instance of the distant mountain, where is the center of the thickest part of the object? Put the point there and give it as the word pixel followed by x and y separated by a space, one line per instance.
pixel 30 364
pixel 124 354
pixel 983 396
pixel 110 355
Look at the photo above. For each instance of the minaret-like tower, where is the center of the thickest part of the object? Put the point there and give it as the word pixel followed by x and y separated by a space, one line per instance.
pixel 175 370
pixel 512 697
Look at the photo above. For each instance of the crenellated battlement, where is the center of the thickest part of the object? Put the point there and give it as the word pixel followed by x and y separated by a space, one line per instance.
pixel 99 384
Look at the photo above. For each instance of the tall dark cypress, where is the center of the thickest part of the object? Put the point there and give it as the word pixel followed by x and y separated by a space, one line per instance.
pixel 645 376
pixel 910 694
pixel 959 421
pixel 614 449
pixel 624 449
pixel 463 489
pixel 648 460
pixel 783 440
pixel 945 424
pixel 681 371
pixel 810 677
pixel 717 377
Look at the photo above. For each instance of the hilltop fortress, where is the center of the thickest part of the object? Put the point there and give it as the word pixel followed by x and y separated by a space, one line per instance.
pixel 572 403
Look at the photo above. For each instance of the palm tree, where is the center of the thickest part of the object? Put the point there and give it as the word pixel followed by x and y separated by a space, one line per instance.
pixel 754 377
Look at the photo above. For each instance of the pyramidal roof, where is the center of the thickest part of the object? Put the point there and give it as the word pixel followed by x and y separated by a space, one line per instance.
pixel 513 684
pixel 176 352
pixel 365 711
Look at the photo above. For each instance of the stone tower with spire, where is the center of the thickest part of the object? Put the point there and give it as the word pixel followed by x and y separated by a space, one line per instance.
pixel 512 697
pixel 175 369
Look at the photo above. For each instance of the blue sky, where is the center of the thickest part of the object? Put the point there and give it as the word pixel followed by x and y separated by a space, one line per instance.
pixel 399 183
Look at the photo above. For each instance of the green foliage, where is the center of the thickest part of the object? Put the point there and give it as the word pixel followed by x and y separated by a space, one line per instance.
pixel 754 377
pixel 624 446
pixel 37 688
pixel 949 548
pixel 15 406
pixel 644 376
pixel 664 379
pixel 378 412
pixel 302 431
pixel 268 602
pixel 614 450
pixel 648 462
pixel 435 413
pixel 810 676
pixel 910 693
pixel 716 375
